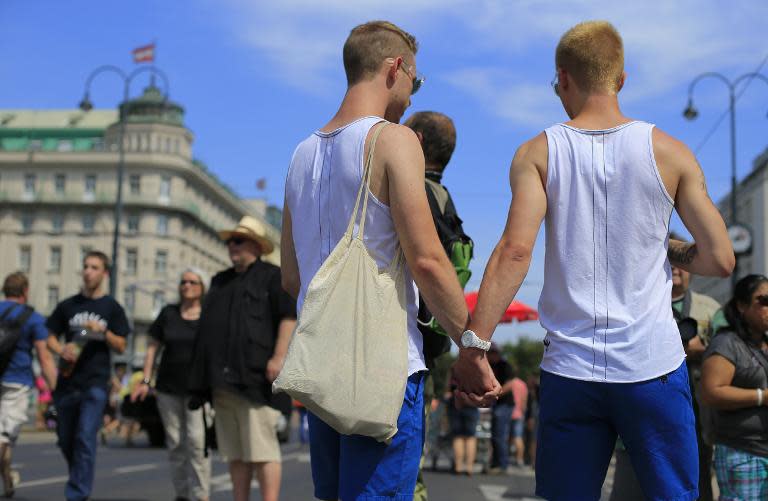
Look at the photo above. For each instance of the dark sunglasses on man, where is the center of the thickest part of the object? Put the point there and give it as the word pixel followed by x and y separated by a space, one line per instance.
pixel 235 240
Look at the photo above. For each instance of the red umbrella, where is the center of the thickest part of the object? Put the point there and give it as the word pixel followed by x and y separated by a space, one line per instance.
pixel 515 311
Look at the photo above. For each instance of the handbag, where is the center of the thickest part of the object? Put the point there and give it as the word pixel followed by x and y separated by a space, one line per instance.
pixel 347 361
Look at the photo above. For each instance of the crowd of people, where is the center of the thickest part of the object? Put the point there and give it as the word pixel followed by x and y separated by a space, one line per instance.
pixel 615 365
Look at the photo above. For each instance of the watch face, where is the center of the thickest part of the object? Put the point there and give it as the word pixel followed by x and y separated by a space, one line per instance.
pixel 741 238
pixel 466 339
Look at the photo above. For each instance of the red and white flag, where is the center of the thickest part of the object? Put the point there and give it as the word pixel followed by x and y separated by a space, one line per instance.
pixel 145 54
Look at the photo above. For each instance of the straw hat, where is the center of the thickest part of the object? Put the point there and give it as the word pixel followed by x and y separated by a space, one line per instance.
pixel 251 228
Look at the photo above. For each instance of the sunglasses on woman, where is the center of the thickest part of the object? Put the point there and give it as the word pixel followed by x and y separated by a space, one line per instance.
pixel 762 299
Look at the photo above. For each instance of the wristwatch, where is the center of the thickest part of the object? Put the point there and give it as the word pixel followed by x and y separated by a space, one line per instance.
pixel 470 340
pixel 145 381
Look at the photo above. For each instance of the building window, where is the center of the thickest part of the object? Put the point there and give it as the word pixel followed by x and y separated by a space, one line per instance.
pixel 175 145
pixel 134 184
pixel 53 296
pixel 161 262
pixel 54 260
pixel 131 261
pixel 129 299
pixel 90 187
pixel 165 188
pixel 162 225
pixel 158 301
pixel 60 184
pixel 35 144
pixel 133 224
pixel 27 221
pixel 57 223
pixel 88 223
pixel 30 186
pixel 25 258
pixel 64 145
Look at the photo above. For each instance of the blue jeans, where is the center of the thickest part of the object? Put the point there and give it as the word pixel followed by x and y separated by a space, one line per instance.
pixel 80 416
pixel 501 423
pixel 579 424
pixel 358 468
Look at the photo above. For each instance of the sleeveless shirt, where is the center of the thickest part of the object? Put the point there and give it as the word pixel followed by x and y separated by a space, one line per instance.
pixel 605 303
pixel 321 187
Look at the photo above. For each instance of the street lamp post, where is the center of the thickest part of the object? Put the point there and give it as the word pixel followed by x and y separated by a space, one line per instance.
pixel 86 105
pixel 691 113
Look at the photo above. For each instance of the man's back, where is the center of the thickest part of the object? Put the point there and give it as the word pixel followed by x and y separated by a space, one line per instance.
pixel 19 369
pixel 321 188
pixel 607 279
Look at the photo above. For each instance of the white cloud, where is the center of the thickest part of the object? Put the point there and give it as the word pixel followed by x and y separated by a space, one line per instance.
pixel 666 42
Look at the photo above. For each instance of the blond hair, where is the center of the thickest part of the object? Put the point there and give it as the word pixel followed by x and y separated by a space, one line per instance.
pixel 369 44
pixel 592 52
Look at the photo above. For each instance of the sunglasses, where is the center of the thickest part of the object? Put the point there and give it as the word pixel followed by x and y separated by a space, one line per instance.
pixel 417 81
pixel 555 83
pixel 235 240
pixel 762 299
pixel 189 282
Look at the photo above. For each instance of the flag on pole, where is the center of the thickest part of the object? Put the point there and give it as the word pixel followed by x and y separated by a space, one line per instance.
pixel 144 54
pixel 261 184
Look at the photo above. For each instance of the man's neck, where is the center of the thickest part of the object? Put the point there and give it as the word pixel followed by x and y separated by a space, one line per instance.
pixel 599 111
pixel 16 299
pixel 361 100
pixel 242 267
pixel 94 293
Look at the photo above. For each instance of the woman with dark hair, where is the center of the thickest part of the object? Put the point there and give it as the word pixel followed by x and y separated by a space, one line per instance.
pixel 174 330
pixel 734 381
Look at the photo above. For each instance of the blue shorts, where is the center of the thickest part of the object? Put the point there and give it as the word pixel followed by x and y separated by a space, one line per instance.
pixel 579 422
pixel 518 428
pixel 358 468
pixel 463 421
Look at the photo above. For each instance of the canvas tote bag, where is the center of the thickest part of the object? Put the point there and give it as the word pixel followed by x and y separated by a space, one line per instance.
pixel 348 358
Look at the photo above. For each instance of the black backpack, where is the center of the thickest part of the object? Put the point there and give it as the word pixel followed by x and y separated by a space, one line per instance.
pixel 10 333
pixel 459 248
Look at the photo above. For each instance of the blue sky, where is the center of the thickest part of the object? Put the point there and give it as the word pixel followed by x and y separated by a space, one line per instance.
pixel 256 77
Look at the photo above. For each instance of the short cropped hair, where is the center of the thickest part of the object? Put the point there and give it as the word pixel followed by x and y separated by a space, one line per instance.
pixel 101 256
pixel 371 43
pixel 15 284
pixel 438 136
pixel 593 53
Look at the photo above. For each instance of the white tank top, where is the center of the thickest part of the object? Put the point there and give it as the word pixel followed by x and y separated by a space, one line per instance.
pixel 322 184
pixel 607 282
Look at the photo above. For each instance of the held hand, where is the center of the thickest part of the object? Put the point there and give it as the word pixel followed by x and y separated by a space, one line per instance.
pixel 140 392
pixel 69 353
pixel 477 386
pixel 274 366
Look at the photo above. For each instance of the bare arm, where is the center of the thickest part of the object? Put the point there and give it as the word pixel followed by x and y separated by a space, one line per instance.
pixel 289 265
pixel 716 386
pixel 711 253
pixel 284 333
pixel 140 391
pixel 115 342
pixel 426 258
pixel 46 363
pixel 433 272
pixel 511 258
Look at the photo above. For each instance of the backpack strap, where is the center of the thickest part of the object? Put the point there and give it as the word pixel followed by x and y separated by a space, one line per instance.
pixel 22 319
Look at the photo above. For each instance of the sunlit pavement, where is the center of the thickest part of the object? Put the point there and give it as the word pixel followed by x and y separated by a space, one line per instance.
pixel 141 473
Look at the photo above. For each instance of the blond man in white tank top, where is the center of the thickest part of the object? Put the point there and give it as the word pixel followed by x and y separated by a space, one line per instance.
pixel 606 186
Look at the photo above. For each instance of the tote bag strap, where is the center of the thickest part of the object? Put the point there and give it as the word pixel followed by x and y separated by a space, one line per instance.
pixel 365 185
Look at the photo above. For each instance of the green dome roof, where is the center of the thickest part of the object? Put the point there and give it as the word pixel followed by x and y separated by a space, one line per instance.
pixel 152 107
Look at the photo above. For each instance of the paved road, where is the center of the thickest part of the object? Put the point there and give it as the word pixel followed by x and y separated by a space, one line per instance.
pixel 141 473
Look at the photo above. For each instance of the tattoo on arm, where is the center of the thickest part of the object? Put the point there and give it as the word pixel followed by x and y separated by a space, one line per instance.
pixel 702 180
pixel 681 253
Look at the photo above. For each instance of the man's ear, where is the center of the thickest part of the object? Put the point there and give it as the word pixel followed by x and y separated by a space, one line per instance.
pixel 622 79
pixel 420 136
